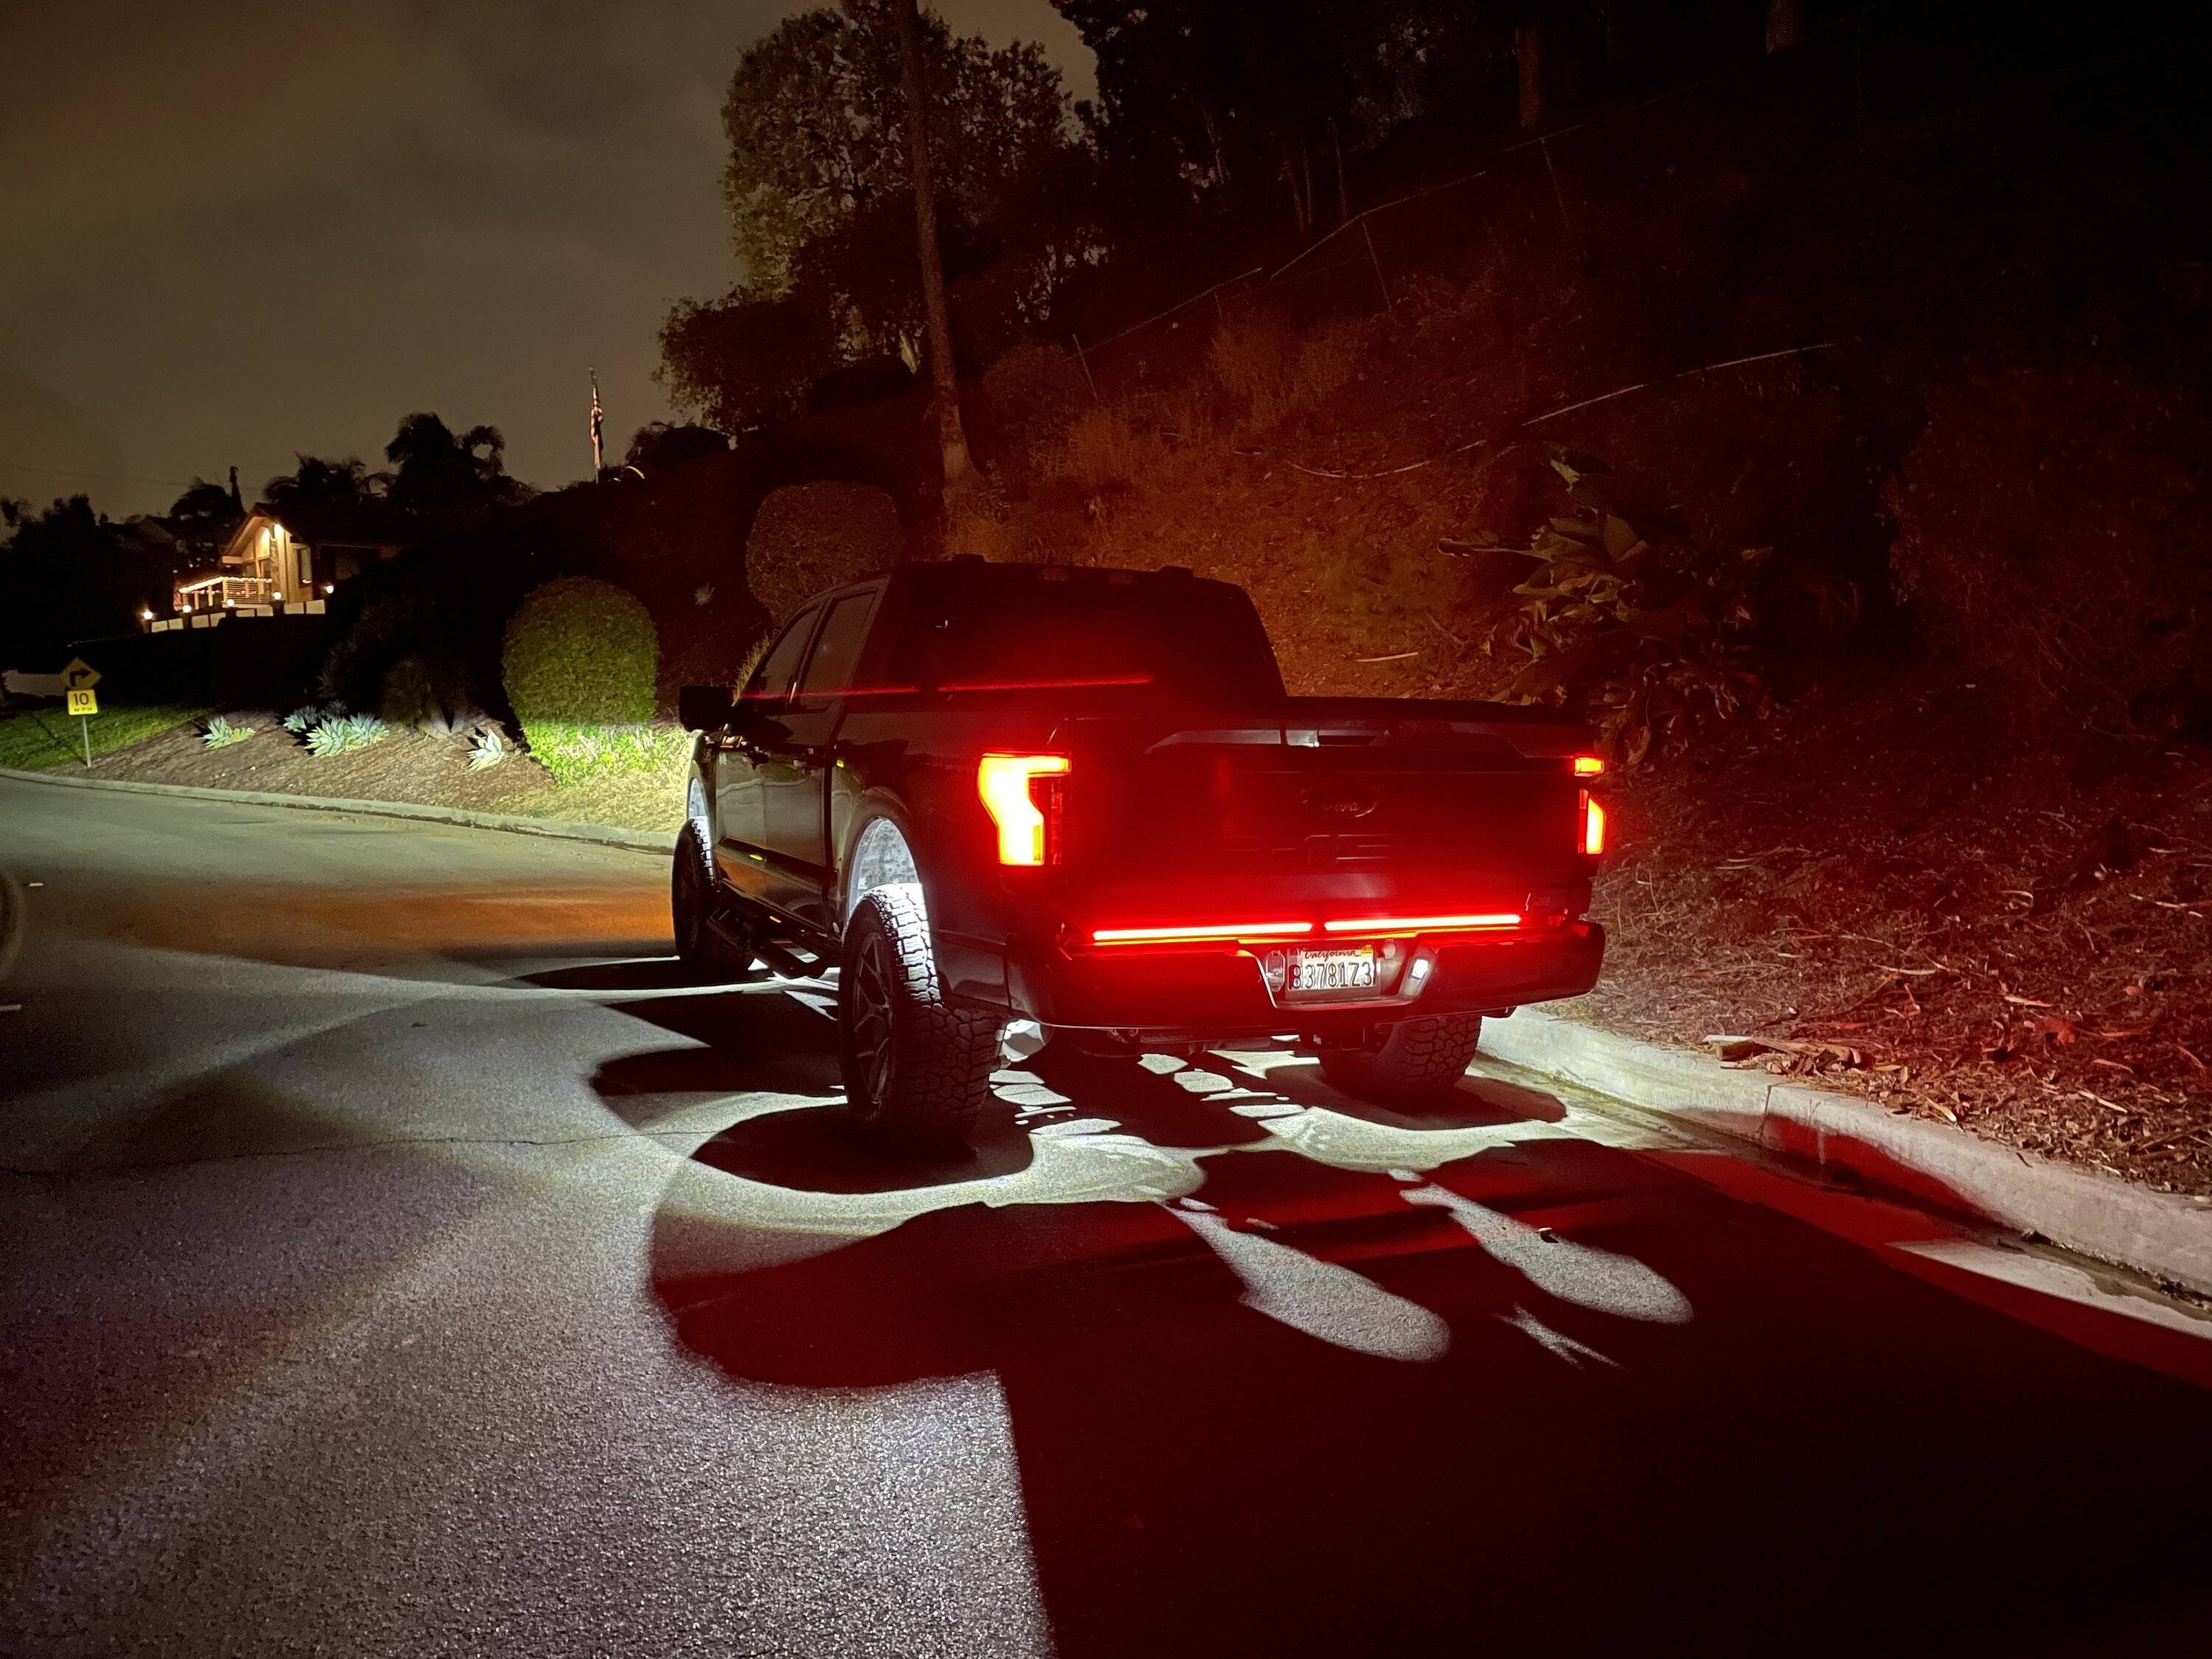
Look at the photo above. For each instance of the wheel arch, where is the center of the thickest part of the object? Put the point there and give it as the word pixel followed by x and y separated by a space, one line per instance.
pixel 881 849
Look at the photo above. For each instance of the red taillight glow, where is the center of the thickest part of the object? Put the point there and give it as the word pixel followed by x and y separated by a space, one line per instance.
pixel 1210 932
pixel 1003 782
pixel 1379 925
pixel 1589 766
pixel 1593 836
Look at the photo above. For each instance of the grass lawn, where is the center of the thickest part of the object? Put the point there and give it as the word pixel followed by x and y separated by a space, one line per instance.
pixel 45 737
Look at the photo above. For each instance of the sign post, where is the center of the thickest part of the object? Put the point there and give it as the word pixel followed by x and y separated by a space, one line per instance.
pixel 84 704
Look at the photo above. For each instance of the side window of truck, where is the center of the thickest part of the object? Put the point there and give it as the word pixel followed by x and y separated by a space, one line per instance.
pixel 837 651
pixel 771 681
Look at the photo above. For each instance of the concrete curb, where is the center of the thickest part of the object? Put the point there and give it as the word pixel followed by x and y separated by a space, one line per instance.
pixel 12 924
pixel 2167 1235
pixel 641 840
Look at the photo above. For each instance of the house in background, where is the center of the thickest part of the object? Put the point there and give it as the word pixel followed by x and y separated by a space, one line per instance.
pixel 274 566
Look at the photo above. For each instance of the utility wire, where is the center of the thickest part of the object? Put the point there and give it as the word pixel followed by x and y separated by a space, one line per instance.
pixel 96 477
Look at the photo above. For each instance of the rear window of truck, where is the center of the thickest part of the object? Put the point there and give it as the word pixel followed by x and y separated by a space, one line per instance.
pixel 1004 630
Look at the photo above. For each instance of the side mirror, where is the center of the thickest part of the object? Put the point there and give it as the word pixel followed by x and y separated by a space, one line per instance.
pixel 704 708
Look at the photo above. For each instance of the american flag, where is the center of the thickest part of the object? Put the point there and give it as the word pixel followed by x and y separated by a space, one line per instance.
pixel 598 418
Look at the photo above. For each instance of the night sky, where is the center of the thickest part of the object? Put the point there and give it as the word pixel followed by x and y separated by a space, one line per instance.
pixel 234 231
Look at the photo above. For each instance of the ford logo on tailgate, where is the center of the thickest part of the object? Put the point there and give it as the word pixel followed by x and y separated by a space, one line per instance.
pixel 1338 804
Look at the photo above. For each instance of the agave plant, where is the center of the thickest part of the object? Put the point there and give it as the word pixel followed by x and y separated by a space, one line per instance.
pixel 219 733
pixel 487 747
pixel 301 722
pixel 340 732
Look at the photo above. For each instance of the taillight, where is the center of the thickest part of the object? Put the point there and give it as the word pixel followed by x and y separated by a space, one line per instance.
pixel 1589 766
pixel 1026 824
pixel 1592 842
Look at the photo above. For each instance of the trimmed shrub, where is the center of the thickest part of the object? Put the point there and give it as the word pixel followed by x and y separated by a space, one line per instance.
pixel 428 691
pixel 582 651
pixel 811 536
pixel 352 674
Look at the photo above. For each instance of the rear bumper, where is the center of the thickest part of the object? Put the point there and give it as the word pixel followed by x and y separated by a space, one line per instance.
pixel 1222 991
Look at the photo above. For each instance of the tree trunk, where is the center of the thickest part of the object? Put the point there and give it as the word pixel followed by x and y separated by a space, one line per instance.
pixel 1528 45
pixel 1785 24
pixel 952 439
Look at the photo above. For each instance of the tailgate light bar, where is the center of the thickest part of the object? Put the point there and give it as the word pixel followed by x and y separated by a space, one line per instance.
pixel 1226 933
pixel 1003 782
pixel 1231 932
pixel 1425 924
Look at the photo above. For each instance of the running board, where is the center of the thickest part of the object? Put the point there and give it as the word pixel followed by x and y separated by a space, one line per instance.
pixel 789 961
pixel 782 957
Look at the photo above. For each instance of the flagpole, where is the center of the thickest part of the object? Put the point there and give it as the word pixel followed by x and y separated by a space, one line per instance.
pixel 598 459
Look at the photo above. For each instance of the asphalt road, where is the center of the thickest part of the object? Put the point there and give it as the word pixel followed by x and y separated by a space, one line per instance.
pixel 398 1257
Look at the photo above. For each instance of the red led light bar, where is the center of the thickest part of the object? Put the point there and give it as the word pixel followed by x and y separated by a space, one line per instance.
pixel 1486 922
pixel 1210 932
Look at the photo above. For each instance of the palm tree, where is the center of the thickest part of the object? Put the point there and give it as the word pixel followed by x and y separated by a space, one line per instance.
pixel 436 474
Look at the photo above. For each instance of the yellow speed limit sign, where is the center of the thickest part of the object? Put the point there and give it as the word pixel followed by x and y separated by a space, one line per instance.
pixel 83 702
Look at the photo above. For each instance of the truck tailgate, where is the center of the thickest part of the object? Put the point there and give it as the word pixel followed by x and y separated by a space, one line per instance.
pixel 1351 797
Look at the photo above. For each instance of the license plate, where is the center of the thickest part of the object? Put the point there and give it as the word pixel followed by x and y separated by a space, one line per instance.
pixel 1347 973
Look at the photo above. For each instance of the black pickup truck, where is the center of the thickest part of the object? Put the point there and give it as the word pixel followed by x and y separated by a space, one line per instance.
pixel 1030 802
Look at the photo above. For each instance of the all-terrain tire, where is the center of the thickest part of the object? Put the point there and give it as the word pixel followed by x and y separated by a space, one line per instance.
pixel 692 902
pixel 914 1065
pixel 1418 1062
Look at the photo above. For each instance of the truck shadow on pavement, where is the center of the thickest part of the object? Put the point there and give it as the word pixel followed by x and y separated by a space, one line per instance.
pixel 1285 1376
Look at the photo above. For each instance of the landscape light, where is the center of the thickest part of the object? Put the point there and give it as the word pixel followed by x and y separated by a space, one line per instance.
pixel 330 588
pixel 145 615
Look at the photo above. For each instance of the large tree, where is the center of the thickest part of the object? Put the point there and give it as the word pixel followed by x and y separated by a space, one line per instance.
pixel 1235 94
pixel 319 483
pixel 741 363
pixel 818 134
pixel 821 207
pixel 67 578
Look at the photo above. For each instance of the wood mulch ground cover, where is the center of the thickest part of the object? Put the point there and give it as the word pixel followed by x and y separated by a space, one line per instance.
pixel 1897 892
pixel 406 765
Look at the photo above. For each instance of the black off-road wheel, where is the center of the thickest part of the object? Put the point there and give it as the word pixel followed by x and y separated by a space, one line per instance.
pixel 914 1066
pixel 691 904
pixel 1418 1062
